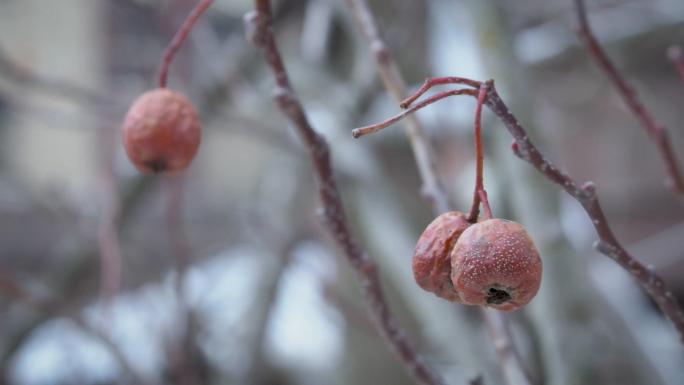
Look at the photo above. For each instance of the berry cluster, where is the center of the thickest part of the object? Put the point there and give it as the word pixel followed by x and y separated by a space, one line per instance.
pixel 489 263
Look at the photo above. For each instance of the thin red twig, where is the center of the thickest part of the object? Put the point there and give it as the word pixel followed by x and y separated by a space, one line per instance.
pixel 361 131
pixel 261 34
pixel 479 195
pixel 431 82
pixel 432 189
pixel 178 40
pixel 657 132
pixel 586 195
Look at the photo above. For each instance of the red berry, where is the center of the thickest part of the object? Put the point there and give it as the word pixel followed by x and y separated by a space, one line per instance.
pixel 161 131
pixel 431 260
pixel 495 263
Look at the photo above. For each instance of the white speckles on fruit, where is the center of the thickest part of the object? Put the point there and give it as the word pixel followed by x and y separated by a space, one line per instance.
pixel 494 263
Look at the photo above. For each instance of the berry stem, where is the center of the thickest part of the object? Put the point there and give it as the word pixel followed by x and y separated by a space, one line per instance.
pixel 373 128
pixel 431 82
pixel 480 195
pixel 179 38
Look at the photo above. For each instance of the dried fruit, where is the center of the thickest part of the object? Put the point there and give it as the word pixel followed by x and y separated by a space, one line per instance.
pixel 431 258
pixel 161 131
pixel 495 263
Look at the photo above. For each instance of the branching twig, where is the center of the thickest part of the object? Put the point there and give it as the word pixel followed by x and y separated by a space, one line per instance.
pixel 432 188
pixel 261 34
pixel 586 195
pixel 658 133
pixel 179 38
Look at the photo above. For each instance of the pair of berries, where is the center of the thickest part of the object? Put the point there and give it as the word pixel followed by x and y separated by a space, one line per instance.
pixel 490 263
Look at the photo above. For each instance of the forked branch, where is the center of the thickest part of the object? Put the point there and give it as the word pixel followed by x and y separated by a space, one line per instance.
pixel 657 132
pixel 585 194
pixel 511 363
pixel 260 33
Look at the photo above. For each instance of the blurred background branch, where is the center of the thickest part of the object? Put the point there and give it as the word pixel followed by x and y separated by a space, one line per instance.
pixel 269 301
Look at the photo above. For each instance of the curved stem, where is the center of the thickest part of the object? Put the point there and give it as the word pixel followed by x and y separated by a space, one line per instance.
pixel 373 128
pixel 479 195
pixel 178 40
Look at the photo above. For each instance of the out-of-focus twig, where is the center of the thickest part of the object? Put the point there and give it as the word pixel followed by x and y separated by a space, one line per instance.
pixel 13 289
pixel 657 132
pixel 260 33
pixel 676 55
pixel 113 348
pixel 432 187
pixel 70 286
pixel 513 370
pixel 14 72
pixel 181 349
pixel 586 195
pixel 108 234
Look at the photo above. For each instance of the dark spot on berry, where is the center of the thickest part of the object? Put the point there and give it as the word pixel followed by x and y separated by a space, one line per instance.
pixel 497 296
pixel 156 165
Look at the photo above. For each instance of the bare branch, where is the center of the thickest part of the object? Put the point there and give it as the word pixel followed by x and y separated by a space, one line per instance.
pixel 261 34
pixel 657 132
pixel 432 187
pixel 586 195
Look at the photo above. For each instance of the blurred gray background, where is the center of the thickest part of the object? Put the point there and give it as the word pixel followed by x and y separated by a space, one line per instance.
pixel 244 286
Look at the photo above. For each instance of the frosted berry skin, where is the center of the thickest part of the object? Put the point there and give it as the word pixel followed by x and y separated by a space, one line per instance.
pixel 161 131
pixel 494 263
pixel 431 260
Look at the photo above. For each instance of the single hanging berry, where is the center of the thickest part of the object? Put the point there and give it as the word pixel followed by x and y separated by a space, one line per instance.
pixel 161 131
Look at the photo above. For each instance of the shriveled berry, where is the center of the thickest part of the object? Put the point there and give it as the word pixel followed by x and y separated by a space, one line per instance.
pixel 431 261
pixel 161 131
pixel 495 263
